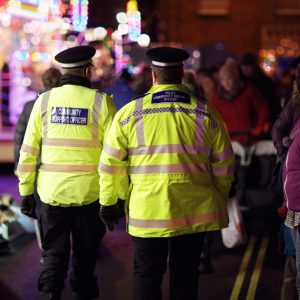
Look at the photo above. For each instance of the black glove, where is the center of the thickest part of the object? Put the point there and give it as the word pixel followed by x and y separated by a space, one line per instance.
pixel 28 206
pixel 109 215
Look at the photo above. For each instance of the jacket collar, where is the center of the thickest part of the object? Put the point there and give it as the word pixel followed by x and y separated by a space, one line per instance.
pixel 74 80
pixel 175 87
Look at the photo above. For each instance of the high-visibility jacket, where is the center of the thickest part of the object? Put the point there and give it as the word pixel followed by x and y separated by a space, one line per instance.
pixel 66 129
pixel 178 154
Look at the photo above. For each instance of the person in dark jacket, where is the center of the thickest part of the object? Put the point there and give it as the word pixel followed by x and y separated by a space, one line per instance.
pixel 251 71
pixel 287 118
pixel 50 79
pixel 121 89
pixel 287 93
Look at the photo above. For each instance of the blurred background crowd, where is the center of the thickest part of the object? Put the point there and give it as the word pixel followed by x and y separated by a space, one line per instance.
pixel 262 40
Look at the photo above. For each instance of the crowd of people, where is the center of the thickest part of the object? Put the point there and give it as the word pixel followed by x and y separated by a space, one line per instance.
pixel 85 157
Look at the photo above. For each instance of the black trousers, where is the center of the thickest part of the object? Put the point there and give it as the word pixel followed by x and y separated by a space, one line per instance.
pixel 150 264
pixel 60 226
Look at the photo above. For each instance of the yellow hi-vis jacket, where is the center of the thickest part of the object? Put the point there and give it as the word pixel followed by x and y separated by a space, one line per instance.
pixel 66 129
pixel 178 154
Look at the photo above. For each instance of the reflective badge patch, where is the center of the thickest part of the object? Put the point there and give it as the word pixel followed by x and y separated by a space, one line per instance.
pixel 171 96
pixel 69 115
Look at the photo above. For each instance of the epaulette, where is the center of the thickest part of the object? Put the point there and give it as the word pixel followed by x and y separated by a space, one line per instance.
pixel 42 92
pixel 106 93
pixel 101 92
pixel 201 99
pixel 140 96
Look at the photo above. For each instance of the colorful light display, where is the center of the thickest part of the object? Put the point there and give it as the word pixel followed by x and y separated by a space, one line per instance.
pixel 134 20
pixel 33 9
pixel 79 12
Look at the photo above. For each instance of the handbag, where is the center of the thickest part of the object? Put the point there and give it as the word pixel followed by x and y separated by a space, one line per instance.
pixel 276 183
pixel 235 234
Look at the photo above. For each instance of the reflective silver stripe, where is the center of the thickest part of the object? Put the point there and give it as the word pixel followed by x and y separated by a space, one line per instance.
pixel 111 169
pixel 44 111
pixel 223 170
pixel 199 124
pixel 26 168
pixel 179 222
pixel 139 121
pixel 169 148
pixel 70 142
pixel 76 65
pixel 114 152
pixel 169 64
pixel 174 168
pixel 68 168
pixel 95 117
pixel 30 149
pixel 223 155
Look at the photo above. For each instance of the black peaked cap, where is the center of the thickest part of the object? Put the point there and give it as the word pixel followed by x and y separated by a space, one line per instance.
pixel 75 57
pixel 167 56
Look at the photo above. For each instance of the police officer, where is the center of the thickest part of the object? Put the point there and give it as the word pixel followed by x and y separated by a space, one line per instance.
pixel 67 126
pixel 180 160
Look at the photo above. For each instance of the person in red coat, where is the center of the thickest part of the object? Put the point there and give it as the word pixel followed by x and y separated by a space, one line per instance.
pixel 244 110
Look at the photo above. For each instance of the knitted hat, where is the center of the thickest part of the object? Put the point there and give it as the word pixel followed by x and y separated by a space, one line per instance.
pixel 229 69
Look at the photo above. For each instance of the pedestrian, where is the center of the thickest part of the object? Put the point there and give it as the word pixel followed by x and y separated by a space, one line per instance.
pixel 287 118
pixel 251 71
pixel 179 158
pixel 291 192
pixel 207 83
pixel 50 79
pixel 67 127
pixel 244 110
pixel 121 89
pixel 288 83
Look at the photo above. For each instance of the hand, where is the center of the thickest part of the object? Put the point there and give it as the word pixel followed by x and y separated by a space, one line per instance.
pixel 109 215
pixel 28 206
pixel 286 141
